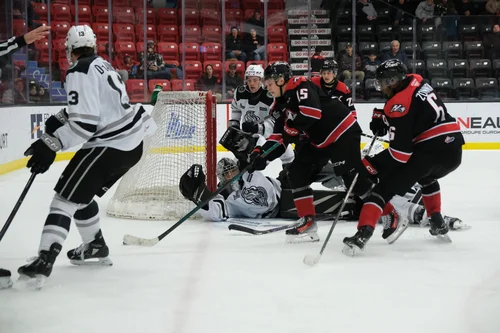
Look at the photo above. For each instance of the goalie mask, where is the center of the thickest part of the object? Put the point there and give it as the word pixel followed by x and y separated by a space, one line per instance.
pixel 79 36
pixel 226 170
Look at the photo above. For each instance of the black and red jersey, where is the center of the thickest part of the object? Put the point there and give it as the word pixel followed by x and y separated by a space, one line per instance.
pixel 417 119
pixel 336 89
pixel 306 108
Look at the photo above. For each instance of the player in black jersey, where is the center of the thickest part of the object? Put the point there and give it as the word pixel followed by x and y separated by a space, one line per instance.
pixel 332 87
pixel 425 145
pixel 330 131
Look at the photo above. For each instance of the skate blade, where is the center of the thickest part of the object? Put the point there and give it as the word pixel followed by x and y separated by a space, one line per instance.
pixel 305 238
pixel 5 283
pixel 350 250
pixel 444 238
pixel 399 231
pixel 92 262
pixel 31 283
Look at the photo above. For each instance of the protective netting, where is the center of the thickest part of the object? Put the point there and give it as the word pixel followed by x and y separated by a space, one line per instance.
pixel 185 136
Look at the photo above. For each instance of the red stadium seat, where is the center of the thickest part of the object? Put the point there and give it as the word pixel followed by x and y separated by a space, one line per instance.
pixel 101 30
pixel 81 23
pixel 192 3
pixel 217 67
pixel 84 13
pixel 252 5
pixel 59 29
pixel 169 51
pixel 121 3
pixel 101 3
pixel 124 48
pixel 150 32
pixel 210 16
pixel 192 69
pixel 192 51
pixel 168 33
pixel 135 90
pixel 59 46
pixel 277 34
pixel 153 83
pixel 64 2
pixel 82 2
pixel 212 33
pixel 100 13
pixel 193 33
pixel 150 15
pixel 139 47
pixel 41 10
pixel 63 67
pixel 240 67
pixel 211 4
pixel 235 15
pixel 211 51
pixel 276 4
pixel 276 52
pixel 177 85
pixel 124 15
pixel 167 16
pixel 124 32
pixel 42 48
pixel 60 12
pixel 40 22
pixel 19 27
pixel 101 46
pixel 191 16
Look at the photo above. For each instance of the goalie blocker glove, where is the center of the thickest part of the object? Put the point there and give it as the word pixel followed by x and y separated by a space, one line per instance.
pixel 192 185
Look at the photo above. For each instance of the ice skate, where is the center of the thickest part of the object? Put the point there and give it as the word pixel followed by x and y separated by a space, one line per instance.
pixel 305 231
pixel 439 228
pixel 454 223
pixel 5 280
pixel 34 274
pixel 358 241
pixel 93 253
pixel 394 226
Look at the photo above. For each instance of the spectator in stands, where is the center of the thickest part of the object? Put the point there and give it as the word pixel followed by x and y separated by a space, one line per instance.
pixel 425 11
pixel 446 9
pixel 234 46
pixel 466 9
pixel 156 67
pixel 366 12
pixel 346 64
pixel 16 94
pixel 232 80
pixel 115 62
pixel 209 82
pixel 493 7
pixel 130 66
pixel 491 43
pixel 395 53
pixel 18 12
pixel 254 46
pixel 256 22
pixel 317 61
pixel 370 65
pixel 400 12
pixel 37 92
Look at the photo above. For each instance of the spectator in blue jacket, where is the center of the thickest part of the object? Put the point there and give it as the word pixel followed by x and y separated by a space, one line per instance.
pixel 395 53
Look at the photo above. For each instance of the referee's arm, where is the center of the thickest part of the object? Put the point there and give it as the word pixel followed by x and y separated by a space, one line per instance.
pixel 14 43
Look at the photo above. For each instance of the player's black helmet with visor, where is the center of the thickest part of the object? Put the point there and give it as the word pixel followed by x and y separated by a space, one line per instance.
pixel 278 69
pixel 330 65
pixel 390 72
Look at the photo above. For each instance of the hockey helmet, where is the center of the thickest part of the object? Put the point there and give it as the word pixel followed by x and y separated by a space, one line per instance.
pixel 278 69
pixel 254 71
pixel 79 36
pixel 226 167
pixel 390 72
pixel 330 65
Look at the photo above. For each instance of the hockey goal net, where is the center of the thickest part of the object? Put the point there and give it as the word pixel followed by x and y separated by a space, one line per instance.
pixel 186 135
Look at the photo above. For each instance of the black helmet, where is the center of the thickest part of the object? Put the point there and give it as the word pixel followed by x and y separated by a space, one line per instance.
pixel 278 69
pixel 330 65
pixel 391 71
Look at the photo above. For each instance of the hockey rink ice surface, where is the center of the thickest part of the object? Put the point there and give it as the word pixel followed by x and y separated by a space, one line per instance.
pixel 203 278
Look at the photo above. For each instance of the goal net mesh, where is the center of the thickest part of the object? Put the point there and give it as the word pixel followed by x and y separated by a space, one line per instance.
pixel 185 136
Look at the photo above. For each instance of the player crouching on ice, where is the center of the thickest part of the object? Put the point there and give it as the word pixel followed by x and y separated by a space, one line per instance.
pixel 111 130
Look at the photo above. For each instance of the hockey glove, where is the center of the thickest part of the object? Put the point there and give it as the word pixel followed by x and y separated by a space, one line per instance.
pixel 291 134
pixel 55 121
pixel 192 185
pixel 234 123
pixel 250 127
pixel 257 162
pixel 377 125
pixel 43 153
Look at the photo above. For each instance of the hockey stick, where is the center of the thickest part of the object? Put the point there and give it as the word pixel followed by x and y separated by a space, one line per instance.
pixel 17 205
pixel 371 137
pixel 133 240
pixel 312 260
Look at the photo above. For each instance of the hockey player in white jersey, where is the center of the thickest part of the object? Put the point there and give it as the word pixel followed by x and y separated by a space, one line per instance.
pixel 100 117
pixel 253 195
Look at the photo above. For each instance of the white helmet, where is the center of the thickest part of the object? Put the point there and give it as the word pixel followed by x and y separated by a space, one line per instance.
pixel 254 70
pixel 227 167
pixel 377 148
pixel 79 36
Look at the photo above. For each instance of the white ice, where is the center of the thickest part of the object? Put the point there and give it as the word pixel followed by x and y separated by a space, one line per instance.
pixel 203 278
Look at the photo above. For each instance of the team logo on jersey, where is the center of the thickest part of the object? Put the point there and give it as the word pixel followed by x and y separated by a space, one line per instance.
pixel 449 139
pixel 251 117
pixel 398 108
pixel 269 95
pixel 241 89
pixel 290 115
pixel 255 195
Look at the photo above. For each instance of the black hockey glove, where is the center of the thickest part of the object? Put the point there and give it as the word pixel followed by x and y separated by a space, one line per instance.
pixel 377 125
pixel 250 127
pixel 55 121
pixel 43 153
pixel 257 162
pixel 234 123
pixel 241 144
pixel 192 185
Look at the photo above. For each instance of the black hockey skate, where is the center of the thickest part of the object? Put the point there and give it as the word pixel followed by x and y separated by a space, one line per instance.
pixel 439 227
pixel 394 226
pixel 358 241
pixel 305 231
pixel 40 268
pixel 86 253
pixel 5 281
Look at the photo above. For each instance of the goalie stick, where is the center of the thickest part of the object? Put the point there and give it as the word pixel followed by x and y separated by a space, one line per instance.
pixel 17 205
pixel 133 240
pixel 312 260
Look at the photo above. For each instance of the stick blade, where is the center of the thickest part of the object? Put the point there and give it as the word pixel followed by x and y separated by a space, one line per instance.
pixel 311 260
pixel 133 240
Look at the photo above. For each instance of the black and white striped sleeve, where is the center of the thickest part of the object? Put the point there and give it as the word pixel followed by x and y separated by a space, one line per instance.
pixel 11 45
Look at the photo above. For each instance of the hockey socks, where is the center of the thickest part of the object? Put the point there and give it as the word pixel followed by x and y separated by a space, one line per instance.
pixel 304 201
pixel 87 221
pixel 431 196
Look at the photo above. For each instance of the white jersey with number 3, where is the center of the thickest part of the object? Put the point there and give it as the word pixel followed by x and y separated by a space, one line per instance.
pixel 258 197
pixel 99 110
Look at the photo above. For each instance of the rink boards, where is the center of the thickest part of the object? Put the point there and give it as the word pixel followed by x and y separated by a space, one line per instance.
pixel 20 126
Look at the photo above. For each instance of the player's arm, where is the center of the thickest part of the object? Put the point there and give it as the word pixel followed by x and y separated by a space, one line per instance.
pixel 309 106
pixel 235 119
pixel 275 137
pixel 347 100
